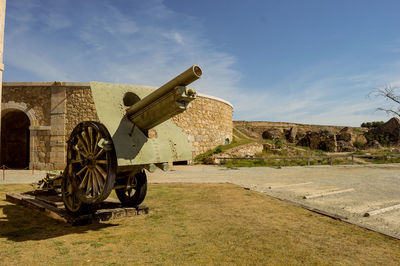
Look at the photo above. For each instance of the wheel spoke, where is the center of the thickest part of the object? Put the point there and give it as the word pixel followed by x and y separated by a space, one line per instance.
pixel 83 136
pixel 99 179
pixel 101 171
pixel 95 189
pixel 83 145
pixel 81 171
pixel 78 150
pixel 84 181
pixel 101 161
pixel 90 139
pixel 95 146
pixel 99 154
pixel 89 184
pixel 76 161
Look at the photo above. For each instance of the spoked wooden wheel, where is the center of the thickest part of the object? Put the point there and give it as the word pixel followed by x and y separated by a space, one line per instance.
pixel 71 200
pixel 91 162
pixel 135 189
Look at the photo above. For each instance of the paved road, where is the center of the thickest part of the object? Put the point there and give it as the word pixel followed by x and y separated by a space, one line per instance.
pixel 358 189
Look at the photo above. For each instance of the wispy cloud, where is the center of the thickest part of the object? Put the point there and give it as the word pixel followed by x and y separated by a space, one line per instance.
pixel 336 100
pixel 149 43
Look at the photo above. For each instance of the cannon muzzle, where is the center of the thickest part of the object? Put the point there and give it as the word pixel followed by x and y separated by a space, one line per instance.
pixel 167 101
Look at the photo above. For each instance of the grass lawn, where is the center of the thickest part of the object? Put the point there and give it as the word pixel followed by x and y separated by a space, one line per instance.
pixel 192 224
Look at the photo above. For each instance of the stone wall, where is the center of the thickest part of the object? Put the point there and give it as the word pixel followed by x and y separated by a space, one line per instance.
pixel 55 108
pixel 36 98
pixel 208 123
pixel 80 107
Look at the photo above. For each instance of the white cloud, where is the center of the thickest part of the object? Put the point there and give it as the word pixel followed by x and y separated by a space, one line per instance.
pixel 155 44
pixel 37 64
pixel 176 36
pixel 336 100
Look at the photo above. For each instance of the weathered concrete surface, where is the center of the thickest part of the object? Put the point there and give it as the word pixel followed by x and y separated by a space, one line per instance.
pixel 375 187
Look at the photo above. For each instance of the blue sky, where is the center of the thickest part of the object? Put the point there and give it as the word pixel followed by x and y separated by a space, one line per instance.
pixel 310 61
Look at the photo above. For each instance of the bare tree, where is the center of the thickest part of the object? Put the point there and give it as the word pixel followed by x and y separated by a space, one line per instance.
pixel 392 95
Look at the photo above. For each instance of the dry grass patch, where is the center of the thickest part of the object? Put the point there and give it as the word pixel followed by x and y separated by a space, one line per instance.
pixel 193 224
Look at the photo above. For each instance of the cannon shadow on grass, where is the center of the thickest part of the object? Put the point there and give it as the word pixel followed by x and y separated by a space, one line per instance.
pixel 21 224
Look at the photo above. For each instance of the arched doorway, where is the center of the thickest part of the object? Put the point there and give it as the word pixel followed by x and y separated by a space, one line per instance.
pixel 15 139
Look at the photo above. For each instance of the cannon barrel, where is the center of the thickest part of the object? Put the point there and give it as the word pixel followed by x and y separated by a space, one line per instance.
pixel 167 101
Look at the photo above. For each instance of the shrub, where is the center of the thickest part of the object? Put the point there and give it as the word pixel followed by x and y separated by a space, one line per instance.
pixel 383 140
pixel 358 145
pixel 278 144
pixel 372 124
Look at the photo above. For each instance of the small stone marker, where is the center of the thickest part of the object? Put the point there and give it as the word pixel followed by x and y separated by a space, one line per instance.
pixel 378 211
pixel 322 194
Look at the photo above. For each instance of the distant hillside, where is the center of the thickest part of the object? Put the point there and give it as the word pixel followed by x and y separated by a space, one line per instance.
pixel 261 126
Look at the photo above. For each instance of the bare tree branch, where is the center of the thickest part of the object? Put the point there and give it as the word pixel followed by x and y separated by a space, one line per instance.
pixel 390 94
pixel 388 111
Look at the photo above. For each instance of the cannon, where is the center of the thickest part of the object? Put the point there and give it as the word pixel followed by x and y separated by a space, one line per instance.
pixel 133 134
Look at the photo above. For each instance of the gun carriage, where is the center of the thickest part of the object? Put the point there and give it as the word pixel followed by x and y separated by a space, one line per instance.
pixel 134 133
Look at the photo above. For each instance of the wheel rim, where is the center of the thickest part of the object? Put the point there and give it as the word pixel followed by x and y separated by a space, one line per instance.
pixel 135 189
pixel 71 200
pixel 93 163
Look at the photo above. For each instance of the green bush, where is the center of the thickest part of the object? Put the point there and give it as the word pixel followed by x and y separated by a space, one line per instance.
pixel 358 145
pixel 278 144
pixel 383 140
pixel 372 124
pixel 358 131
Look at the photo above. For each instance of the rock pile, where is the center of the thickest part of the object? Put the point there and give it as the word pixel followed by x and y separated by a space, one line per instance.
pixel 386 134
pixel 374 145
pixel 291 134
pixel 323 140
pixel 334 139
pixel 272 133
pixel 344 140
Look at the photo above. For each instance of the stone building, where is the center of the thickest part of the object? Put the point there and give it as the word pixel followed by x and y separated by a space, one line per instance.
pixel 38 117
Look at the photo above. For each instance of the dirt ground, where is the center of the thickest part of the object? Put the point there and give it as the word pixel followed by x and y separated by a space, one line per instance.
pixel 359 189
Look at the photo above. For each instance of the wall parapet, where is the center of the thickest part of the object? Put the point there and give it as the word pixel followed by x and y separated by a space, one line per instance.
pixel 215 98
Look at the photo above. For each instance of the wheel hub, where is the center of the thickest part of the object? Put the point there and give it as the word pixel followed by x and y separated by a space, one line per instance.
pixel 90 162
